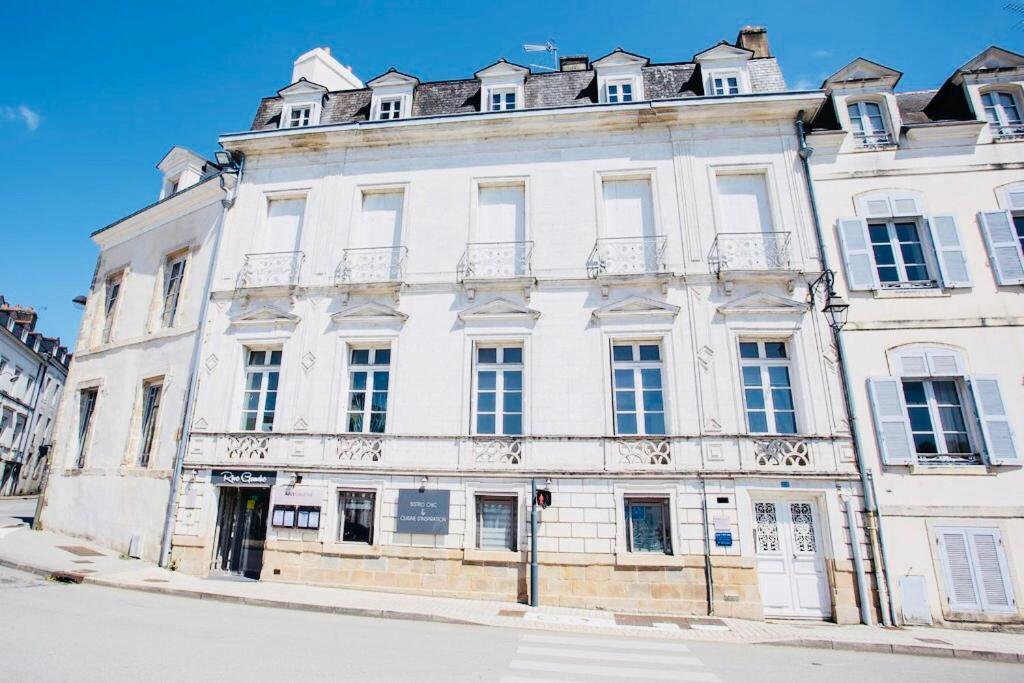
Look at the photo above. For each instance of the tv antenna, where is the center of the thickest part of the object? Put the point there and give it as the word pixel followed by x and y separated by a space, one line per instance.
pixel 548 47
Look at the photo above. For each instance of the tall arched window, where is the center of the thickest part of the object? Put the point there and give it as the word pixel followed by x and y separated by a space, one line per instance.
pixel 868 124
pixel 1002 113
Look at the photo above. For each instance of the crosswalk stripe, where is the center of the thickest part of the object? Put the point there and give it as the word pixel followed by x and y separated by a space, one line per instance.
pixel 642 657
pixel 618 644
pixel 629 673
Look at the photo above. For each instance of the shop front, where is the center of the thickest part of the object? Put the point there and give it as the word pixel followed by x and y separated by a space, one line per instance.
pixel 243 504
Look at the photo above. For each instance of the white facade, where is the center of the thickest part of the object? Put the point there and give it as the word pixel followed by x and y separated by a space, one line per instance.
pixel 934 329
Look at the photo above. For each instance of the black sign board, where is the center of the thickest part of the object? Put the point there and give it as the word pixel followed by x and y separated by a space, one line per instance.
pixel 243 478
pixel 422 512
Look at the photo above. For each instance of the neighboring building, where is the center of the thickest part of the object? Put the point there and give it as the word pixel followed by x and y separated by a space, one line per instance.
pixel 922 197
pixel 431 293
pixel 33 371
pixel 119 425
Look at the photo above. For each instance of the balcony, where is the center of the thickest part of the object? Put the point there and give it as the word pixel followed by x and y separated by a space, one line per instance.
pixel 628 259
pixel 1012 131
pixel 873 141
pixel 751 252
pixel 496 265
pixel 371 268
pixel 271 270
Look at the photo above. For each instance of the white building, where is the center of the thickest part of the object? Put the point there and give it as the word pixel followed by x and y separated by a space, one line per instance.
pixel 922 198
pixel 119 427
pixel 431 293
pixel 33 370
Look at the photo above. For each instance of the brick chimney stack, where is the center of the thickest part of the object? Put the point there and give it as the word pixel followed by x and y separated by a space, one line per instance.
pixel 755 39
pixel 573 63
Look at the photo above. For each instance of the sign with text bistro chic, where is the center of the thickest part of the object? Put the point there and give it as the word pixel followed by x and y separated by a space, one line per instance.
pixel 422 512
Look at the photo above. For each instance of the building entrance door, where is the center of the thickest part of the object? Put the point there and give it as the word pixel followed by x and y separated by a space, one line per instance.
pixel 790 565
pixel 241 530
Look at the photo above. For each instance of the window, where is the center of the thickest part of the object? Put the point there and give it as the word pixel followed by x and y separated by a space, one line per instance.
pixel 19 429
pixel 637 384
pixel 262 373
pixel 767 387
pixel 368 380
pixel 503 100
pixel 1002 113
pixel 151 392
pixel 29 383
pixel 1018 225
pixel 299 117
pixel 16 375
pixel 618 91
pixel 112 293
pixel 86 408
pixel 867 123
pixel 725 85
pixel 938 423
pixel 899 254
pixel 355 514
pixel 174 271
pixel 648 525
pixel 976 575
pixel 498 403
pixel 496 522
pixel 6 418
pixel 390 108
pixel 3 364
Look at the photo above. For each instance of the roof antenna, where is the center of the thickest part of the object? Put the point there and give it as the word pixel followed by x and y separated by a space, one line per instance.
pixel 549 47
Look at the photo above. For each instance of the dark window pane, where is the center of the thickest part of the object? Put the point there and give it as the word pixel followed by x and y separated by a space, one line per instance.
pixel 782 399
pixel 751 376
pixel 785 423
pixel 778 377
pixel 653 401
pixel 917 273
pixel 513 380
pixel 879 233
pixel 382 357
pixel 485 402
pixel 622 352
pixel 487 355
pixel 623 379
pixel 250 422
pixel 512 402
pixel 654 423
pixel 255 380
pixel 920 419
pixel 884 255
pixel 275 357
pixel 485 424
pixel 925 443
pixel 513 355
pixel 650 352
pixel 957 443
pixel 748 350
pixel 757 421
pixel 650 378
pixel 377 421
pixel 356 400
pixel 906 232
pixel 625 423
pixel 272 378
pixel 380 381
pixel 945 393
pixel 888 274
pixel 358 380
pixel 271 401
pixel 952 419
pixel 360 356
pixel 625 401
pixel 648 527
pixel 355 422
pixel 252 400
pixel 755 399
pixel 256 357
pixel 512 424
pixel 486 380
pixel 775 349
pixel 379 402
pixel 913 392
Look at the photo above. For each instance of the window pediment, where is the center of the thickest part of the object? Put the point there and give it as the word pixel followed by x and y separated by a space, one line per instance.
pixel 391 78
pixel 636 307
pixel 502 68
pixel 265 315
pixel 992 59
pixel 302 89
pixel 863 72
pixel 619 57
pixel 723 50
pixel 761 303
pixel 498 310
pixel 370 312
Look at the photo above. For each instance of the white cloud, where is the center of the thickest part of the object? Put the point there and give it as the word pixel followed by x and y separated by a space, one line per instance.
pixel 22 113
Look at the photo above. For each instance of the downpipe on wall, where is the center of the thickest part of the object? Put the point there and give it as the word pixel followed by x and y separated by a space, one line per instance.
pixel 866 483
pixel 184 430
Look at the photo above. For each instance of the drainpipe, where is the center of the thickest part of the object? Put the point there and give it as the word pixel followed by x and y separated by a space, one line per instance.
pixel 708 572
pixel 870 504
pixel 858 562
pixel 184 429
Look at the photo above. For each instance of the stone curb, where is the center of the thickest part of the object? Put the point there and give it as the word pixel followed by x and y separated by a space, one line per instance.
pixel 899 649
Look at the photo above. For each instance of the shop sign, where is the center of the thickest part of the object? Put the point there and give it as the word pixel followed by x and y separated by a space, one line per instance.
pixel 243 478
pixel 422 512
pixel 298 495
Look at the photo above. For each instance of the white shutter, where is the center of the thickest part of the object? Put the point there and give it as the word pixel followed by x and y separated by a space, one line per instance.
pixel 949 251
pixel 944 363
pixel 892 423
pixel 875 205
pixel 1003 246
pixel 1000 446
pixel 913 363
pixel 905 204
pixel 1015 198
pixel 955 551
pixel 860 262
pixel 990 570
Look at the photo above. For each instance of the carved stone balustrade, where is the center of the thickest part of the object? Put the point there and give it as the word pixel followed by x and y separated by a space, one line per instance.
pixel 274 269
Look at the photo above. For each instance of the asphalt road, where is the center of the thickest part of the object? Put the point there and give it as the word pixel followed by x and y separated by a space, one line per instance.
pixel 62 632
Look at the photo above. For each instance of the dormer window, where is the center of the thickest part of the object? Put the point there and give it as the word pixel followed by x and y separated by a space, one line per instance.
pixel 725 85
pixel 299 117
pixel 502 86
pixel 390 108
pixel 503 99
pixel 1003 114
pixel 618 91
pixel 868 124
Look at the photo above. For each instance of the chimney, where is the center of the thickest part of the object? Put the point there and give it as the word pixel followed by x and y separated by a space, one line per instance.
pixel 573 63
pixel 22 315
pixel 755 39
pixel 318 66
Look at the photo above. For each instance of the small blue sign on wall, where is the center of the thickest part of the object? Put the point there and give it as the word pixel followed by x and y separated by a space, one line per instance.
pixel 723 539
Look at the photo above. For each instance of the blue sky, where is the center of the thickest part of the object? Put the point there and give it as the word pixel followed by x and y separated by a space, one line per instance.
pixel 95 93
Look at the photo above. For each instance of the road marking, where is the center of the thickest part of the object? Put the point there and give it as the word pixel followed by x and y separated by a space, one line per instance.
pixel 628 673
pixel 642 657
pixel 569 619
pixel 618 643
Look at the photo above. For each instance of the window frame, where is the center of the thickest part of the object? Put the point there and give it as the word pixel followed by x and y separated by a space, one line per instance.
pixel 937 429
pixel 303 122
pixel 85 424
pixel 867 136
pixel 502 92
pixel 149 420
pixel 722 79
pixel 481 498
pixel 396 108
pixel 374 496
pixel 637 366
pixel 927 251
pixel 113 283
pixel 371 368
pixel 763 363
pixel 172 286
pixel 498 367
pixel 619 83
pixel 265 369
pixel 664 502
pixel 1001 122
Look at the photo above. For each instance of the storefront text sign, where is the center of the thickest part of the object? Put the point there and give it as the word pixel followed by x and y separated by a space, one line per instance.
pixel 422 512
pixel 243 478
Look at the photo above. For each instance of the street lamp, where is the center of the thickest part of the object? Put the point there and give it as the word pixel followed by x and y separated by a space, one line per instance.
pixel 836 308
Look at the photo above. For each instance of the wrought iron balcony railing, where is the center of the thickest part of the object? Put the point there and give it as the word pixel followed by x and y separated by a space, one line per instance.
pixel 371 265
pixel 873 140
pixel 275 269
pixel 750 252
pixel 627 256
pixel 1012 131
pixel 496 261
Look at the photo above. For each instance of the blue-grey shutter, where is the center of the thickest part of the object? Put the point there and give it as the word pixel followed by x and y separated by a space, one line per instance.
pixel 1000 445
pixel 949 251
pixel 1004 250
pixel 857 256
pixel 892 424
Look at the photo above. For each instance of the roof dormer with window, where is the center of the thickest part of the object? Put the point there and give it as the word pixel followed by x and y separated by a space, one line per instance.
pixel 724 70
pixel 993 83
pixel 302 103
pixel 620 77
pixel 502 86
pixel 392 95
pixel 181 168
pixel 865 105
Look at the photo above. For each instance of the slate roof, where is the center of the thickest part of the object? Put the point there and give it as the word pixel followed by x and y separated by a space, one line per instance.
pixel 555 89
pixel 945 104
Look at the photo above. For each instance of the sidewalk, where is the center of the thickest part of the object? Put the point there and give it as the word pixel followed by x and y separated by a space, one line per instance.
pixel 71 559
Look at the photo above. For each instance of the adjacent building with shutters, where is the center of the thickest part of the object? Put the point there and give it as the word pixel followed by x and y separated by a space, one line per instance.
pixel 921 196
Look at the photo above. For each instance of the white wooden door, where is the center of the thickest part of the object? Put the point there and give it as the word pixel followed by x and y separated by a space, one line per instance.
pixel 790 565
pixel 743 200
